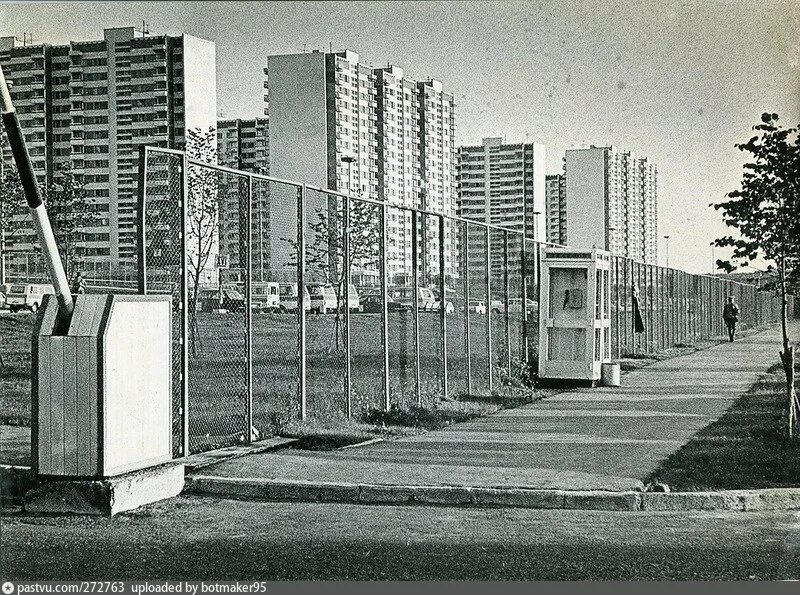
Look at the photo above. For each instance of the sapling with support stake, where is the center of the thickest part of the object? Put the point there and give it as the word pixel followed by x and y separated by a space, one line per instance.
pixel 33 196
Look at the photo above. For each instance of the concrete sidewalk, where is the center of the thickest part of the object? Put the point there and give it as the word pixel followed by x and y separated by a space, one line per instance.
pixel 606 439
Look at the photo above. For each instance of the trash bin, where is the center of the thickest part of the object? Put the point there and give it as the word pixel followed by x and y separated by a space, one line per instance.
pixel 610 374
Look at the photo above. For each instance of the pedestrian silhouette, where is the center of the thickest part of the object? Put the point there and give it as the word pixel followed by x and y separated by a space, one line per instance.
pixel 730 314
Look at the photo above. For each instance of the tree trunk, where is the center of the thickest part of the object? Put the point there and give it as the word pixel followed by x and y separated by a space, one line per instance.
pixel 787 358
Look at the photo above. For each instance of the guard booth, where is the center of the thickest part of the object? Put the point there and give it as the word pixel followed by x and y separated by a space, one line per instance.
pixel 575 329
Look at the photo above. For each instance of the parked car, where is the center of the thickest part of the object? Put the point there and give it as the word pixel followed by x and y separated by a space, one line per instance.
pixel 323 297
pixel 449 308
pixel 266 296
pixel 477 306
pixel 211 298
pixel 405 295
pixel 372 303
pixel 287 298
pixel 28 296
pixel 497 306
pixel 515 306
pixel 353 301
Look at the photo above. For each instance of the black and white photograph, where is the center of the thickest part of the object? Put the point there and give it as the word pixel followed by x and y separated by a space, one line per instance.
pixel 502 290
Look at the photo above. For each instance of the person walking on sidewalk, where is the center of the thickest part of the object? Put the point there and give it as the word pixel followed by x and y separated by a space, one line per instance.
pixel 730 314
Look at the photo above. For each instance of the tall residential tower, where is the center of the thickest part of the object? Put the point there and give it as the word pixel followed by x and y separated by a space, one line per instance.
pixel 612 202
pixel 398 136
pixel 502 184
pixel 92 104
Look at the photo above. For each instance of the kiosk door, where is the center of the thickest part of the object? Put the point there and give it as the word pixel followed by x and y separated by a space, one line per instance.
pixel 566 322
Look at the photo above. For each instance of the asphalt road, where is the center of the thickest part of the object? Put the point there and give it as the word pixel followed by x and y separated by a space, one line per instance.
pixel 206 538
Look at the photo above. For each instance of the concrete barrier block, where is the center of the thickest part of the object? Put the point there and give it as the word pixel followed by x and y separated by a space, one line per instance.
pixel 442 495
pixel 382 494
pixel 108 496
pixel 597 500
pixel 518 497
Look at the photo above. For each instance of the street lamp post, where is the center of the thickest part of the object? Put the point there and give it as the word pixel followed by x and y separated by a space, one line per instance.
pixel 347 159
pixel 667 247
pixel 536 225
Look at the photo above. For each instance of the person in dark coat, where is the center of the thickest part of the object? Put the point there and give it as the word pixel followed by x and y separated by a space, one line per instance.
pixel 78 284
pixel 730 314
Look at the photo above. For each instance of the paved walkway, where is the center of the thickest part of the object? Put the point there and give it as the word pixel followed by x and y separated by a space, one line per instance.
pixel 586 439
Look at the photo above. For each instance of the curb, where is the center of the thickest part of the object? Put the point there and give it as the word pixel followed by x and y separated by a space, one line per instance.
pixel 777 499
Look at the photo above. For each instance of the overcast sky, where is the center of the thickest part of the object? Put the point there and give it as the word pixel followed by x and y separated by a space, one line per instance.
pixel 679 82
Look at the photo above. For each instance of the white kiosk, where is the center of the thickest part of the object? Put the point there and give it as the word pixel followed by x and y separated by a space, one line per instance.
pixel 575 298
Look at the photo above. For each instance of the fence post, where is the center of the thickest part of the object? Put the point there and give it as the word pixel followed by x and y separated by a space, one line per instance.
pixel 415 302
pixel 506 293
pixel 348 393
pixel 384 305
pixel 489 305
pixel 184 199
pixel 142 235
pixel 523 257
pixel 249 311
pixel 443 305
pixel 466 271
pixel 662 294
pixel 617 329
pixel 301 305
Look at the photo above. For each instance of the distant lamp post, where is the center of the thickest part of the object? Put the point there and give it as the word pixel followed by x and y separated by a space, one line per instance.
pixel 667 246
pixel 713 260
pixel 536 224
pixel 611 231
pixel 348 160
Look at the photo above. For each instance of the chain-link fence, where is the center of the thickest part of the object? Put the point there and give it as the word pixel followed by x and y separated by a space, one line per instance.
pixel 292 302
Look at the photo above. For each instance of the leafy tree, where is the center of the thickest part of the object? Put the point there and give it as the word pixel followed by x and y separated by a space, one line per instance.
pixel 202 204
pixel 766 213
pixel 12 204
pixel 70 212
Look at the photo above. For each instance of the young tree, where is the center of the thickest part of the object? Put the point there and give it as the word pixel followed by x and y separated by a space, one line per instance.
pixel 324 252
pixel 766 213
pixel 70 212
pixel 202 204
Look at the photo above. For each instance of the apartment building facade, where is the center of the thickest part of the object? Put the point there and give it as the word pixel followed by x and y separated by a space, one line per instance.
pixel 90 105
pixel 502 184
pixel 396 133
pixel 244 145
pixel 612 201
pixel 556 208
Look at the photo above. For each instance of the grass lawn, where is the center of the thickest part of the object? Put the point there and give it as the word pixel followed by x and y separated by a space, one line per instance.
pixel 744 449
pixel 15 368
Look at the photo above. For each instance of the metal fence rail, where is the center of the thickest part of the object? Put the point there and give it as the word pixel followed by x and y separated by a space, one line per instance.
pixel 404 306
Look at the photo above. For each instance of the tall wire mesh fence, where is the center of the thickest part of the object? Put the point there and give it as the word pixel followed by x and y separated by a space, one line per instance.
pixel 292 302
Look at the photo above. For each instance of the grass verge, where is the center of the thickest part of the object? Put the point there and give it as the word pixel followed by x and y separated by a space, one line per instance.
pixel 333 433
pixel 15 369
pixel 746 448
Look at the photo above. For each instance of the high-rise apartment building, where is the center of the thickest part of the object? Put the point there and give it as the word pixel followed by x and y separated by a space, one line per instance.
pixel 556 208
pixel 244 145
pixel 612 202
pixel 397 133
pixel 92 104
pixel 502 184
